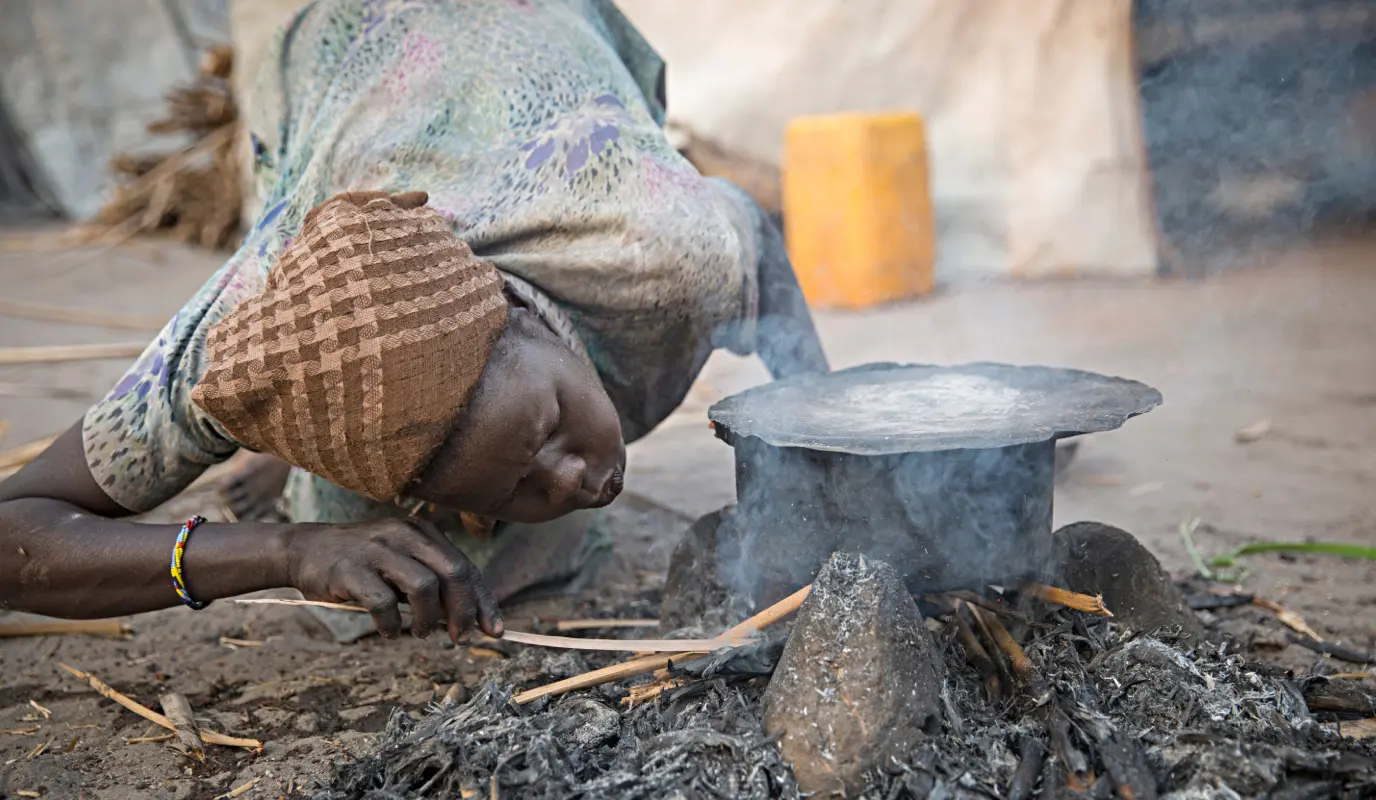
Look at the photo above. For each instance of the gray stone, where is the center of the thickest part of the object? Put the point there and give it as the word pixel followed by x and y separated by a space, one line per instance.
pixel 346 627
pixel 695 595
pixel 1101 559
pixel 859 681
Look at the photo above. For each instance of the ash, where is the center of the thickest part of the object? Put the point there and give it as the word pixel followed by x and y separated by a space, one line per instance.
pixel 1114 714
pixel 703 740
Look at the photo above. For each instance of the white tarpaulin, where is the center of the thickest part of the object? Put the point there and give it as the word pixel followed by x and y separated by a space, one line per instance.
pixel 1037 161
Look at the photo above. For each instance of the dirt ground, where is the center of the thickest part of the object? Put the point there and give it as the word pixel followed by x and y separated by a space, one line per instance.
pixel 1292 342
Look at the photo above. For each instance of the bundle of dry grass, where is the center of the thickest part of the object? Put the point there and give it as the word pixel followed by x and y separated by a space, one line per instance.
pixel 193 193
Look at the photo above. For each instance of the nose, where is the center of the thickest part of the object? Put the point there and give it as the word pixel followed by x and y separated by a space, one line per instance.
pixel 567 481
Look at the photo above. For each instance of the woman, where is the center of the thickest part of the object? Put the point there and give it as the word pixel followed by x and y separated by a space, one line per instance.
pixel 606 271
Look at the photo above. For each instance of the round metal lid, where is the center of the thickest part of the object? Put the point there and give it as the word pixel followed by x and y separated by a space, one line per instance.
pixel 881 409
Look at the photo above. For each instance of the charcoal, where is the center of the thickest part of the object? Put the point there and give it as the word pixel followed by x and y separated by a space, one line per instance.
pixel 754 660
pixel 1155 715
pixel 859 681
pixel 1099 559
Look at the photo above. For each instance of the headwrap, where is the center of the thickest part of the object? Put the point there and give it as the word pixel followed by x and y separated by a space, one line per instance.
pixel 358 357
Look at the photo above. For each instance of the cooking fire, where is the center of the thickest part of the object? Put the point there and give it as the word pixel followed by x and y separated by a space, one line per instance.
pixel 910 626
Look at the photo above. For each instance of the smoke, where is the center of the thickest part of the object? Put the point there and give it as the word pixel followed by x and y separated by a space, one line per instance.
pixel 1260 121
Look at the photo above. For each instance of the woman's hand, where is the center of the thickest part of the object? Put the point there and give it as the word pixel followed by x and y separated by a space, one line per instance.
pixel 379 564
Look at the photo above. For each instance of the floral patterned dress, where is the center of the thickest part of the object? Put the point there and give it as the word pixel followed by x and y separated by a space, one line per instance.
pixel 534 125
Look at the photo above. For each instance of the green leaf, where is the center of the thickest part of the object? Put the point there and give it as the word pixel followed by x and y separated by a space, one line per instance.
pixel 1314 548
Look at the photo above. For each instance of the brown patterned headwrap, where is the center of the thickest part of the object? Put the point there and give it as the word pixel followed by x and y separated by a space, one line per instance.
pixel 356 360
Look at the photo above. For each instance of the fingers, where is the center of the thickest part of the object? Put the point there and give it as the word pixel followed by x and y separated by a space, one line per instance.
pixel 369 590
pixel 421 587
pixel 489 617
pixel 410 200
pixel 465 596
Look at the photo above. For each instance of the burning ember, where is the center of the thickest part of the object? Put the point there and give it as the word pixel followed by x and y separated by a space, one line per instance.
pixel 1066 664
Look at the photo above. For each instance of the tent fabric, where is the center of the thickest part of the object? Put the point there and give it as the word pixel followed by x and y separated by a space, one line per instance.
pixel 1037 157
pixel 80 80
pixel 1036 145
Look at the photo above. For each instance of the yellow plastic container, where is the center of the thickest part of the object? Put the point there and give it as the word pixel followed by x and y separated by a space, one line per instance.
pixel 858 208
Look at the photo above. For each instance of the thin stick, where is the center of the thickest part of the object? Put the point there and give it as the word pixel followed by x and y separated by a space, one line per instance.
pixel 566 625
pixel 1079 602
pixel 272 601
pixel 597 677
pixel 210 737
pixel 74 352
pixel 625 645
pixel 975 599
pixel 166 737
pixel 232 642
pixel 183 719
pixel 65 627
pixel 1017 657
pixel 1287 618
pixel 645 664
pixel 1355 729
pixel 82 316
pixel 640 694
pixel 8 389
pixel 230 795
pixel 978 658
pixel 564 642
pixel 20 731
pixel 24 453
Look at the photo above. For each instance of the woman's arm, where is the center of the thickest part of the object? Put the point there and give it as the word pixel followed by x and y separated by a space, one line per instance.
pixel 787 338
pixel 67 553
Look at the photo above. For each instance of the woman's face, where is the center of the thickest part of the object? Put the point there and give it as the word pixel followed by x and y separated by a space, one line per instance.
pixel 539 438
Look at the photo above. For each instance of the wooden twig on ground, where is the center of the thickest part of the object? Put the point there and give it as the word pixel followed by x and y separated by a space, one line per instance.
pixel 209 737
pixel 240 790
pixel 1287 618
pixel 65 627
pixel 976 599
pixel 10 389
pixel 649 691
pixel 20 731
pixel 979 658
pixel 1355 729
pixel 166 737
pixel 75 352
pixel 24 453
pixel 1017 658
pixel 567 625
pixel 229 641
pixel 981 627
pixel 43 710
pixel 1334 650
pixel 1074 600
pixel 563 642
pixel 82 316
pixel 625 645
pixel 183 719
pixel 645 664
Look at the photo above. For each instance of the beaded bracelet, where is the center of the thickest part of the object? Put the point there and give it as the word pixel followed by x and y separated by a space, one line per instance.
pixel 178 582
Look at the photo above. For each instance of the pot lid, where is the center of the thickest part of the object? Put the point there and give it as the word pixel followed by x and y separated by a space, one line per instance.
pixel 883 409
